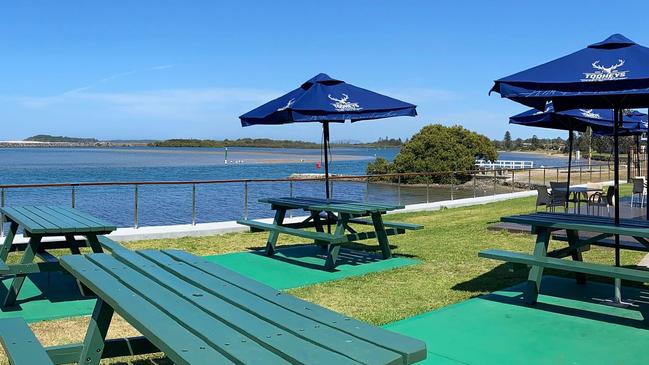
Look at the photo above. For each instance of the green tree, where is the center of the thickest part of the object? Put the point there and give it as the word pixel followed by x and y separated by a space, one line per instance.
pixel 437 148
pixel 507 141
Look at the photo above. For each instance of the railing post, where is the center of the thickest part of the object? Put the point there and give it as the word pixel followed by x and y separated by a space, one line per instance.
pixel 428 190
pixel 475 177
pixel 193 204
pixel 2 217
pixel 513 178
pixel 367 189
pixel 74 197
pixel 290 193
pixel 544 176
pixel 135 212
pixel 529 178
pixel 495 178
pixel 245 200
pixel 399 190
pixel 452 184
pixel 580 174
pixel 600 173
pixel 557 173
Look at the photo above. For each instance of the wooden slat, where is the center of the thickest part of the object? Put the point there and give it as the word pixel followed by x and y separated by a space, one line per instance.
pixel 77 225
pixel 98 224
pixel 178 343
pixel 64 225
pixel 320 236
pixel 552 222
pixel 109 244
pixel 20 344
pixel 318 338
pixel 27 222
pixel 568 265
pixel 410 226
pixel 412 350
pixel 187 311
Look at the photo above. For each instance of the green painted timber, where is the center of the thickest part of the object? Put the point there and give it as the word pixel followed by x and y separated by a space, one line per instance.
pixel 399 225
pixel 176 341
pixel 304 202
pixel 568 326
pixel 568 265
pixel 20 344
pixel 299 266
pixel 109 244
pixel 324 344
pixel 199 313
pixel 411 349
pixel 319 236
pixel 557 221
pixel 46 220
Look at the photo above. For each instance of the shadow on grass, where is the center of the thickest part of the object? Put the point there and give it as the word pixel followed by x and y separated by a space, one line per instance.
pixel 303 255
pixel 163 361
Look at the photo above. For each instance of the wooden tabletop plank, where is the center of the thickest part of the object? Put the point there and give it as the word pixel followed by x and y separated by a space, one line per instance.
pixel 580 225
pixel 186 310
pixel 63 224
pixel 279 340
pixel 97 224
pixel 299 202
pixel 412 350
pixel 315 337
pixel 178 343
pixel 33 223
pixel 19 217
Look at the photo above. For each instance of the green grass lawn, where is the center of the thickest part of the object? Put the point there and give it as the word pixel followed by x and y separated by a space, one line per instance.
pixel 450 270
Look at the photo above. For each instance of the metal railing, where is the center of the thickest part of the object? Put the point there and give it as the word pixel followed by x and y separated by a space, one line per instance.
pixel 509 179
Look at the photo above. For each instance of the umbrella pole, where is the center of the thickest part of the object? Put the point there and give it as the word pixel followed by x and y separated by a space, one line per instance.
pixel 325 131
pixel 570 138
pixel 616 189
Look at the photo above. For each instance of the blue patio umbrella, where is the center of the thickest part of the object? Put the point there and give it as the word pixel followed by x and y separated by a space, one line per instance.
pixel 323 99
pixel 599 120
pixel 611 74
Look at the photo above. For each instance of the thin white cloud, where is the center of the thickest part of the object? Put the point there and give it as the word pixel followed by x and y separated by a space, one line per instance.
pixel 116 76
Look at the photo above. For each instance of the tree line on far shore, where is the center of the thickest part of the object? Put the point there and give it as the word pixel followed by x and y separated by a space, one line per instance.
pixel 269 143
pixel 585 142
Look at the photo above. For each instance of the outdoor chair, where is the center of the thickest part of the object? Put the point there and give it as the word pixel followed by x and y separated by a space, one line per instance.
pixel 600 200
pixel 544 198
pixel 639 189
pixel 559 196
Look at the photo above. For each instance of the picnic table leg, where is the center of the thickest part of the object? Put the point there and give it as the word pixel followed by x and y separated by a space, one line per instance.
pixel 9 239
pixel 93 344
pixel 280 213
pixel 71 241
pixel 334 248
pixel 573 241
pixel 536 272
pixel 381 235
pixel 94 243
pixel 319 228
pixel 17 283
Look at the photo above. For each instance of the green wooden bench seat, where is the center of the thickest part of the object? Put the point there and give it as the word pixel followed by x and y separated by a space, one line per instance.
pixel 20 344
pixel 579 267
pixel 316 236
pixel 200 313
pixel 623 273
pixel 396 225
pixel 109 244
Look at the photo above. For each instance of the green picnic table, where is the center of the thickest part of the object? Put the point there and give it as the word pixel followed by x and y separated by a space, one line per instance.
pixel 199 313
pixel 544 224
pixel 38 222
pixel 340 213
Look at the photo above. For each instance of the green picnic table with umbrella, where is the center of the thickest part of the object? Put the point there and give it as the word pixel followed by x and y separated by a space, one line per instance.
pixel 611 74
pixel 323 99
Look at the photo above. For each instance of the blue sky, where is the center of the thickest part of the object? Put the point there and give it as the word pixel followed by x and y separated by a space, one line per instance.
pixel 164 69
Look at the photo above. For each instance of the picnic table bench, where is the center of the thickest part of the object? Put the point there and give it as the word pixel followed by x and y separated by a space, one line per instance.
pixel 544 224
pixel 197 312
pixel 323 212
pixel 39 222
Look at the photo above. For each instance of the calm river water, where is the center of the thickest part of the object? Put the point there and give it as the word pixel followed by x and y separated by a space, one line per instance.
pixel 169 204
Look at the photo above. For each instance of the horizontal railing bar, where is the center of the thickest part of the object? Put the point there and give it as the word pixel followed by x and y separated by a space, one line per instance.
pixel 230 181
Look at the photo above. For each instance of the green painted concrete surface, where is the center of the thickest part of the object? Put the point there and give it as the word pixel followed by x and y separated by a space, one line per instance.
pixel 304 265
pixel 569 325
